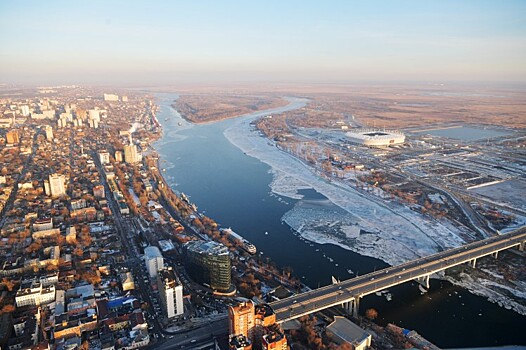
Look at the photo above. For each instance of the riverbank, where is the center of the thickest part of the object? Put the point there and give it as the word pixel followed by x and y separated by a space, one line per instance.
pixel 369 224
pixel 212 108
pixel 233 187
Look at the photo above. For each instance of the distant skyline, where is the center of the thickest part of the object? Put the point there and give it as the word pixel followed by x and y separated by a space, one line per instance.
pixel 166 42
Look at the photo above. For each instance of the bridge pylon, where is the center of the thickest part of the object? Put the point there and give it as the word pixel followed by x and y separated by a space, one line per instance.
pixel 423 280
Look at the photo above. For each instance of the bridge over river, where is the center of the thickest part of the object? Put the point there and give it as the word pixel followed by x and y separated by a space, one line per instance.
pixel 350 291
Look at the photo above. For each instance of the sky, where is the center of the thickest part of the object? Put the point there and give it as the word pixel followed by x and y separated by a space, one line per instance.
pixel 164 42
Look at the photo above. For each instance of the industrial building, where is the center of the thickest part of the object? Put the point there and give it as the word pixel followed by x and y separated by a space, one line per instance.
pixel 342 331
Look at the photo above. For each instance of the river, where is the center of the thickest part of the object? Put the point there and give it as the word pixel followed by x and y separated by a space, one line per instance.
pixel 233 189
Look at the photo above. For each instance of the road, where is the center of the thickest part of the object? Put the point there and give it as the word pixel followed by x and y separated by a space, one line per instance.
pixel 133 262
pixel 9 203
pixel 201 336
pixel 355 288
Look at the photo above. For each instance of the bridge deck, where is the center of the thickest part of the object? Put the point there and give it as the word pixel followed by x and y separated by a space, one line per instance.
pixel 354 288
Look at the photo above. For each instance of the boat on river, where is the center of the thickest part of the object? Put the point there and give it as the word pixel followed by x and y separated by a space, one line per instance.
pixel 249 247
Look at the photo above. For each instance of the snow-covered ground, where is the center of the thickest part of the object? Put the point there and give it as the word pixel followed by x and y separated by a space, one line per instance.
pixel 362 222
pixel 350 218
pixel 489 289
pixel 394 233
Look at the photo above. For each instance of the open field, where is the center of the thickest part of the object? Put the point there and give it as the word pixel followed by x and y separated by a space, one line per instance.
pixel 389 106
pixel 205 108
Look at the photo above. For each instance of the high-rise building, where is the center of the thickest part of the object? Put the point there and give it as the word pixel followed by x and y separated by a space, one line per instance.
pixel 154 260
pixel 130 154
pixel 47 190
pixel 49 132
pixel 12 137
pixel 170 292
pixel 24 110
pixel 254 326
pixel 94 114
pixel 93 123
pixel 118 156
pixel 57 185
pixel 242 319
pixel 104 157
pixel 209 263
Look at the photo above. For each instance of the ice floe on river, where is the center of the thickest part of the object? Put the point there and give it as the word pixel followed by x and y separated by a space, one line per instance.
pixel 389 231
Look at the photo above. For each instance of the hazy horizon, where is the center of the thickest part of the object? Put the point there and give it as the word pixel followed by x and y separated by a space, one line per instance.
pixel 143 43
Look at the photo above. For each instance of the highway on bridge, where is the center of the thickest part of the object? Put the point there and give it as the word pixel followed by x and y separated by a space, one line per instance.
pixel 351 290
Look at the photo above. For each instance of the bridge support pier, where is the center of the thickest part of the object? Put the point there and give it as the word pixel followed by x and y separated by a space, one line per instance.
pixel 473 263
pixel 495 255
pixel 424 281
pixel 521 246
pixel 352 306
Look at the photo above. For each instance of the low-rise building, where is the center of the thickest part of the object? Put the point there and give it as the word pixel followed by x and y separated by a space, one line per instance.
pixel 343 331
pixel 33 293
pixel 127 281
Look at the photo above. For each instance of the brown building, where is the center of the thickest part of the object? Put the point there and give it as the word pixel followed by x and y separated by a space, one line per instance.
pixel 242 319
pixel 240 342
pixel 12 137
pixel 98 191
pixel 274 339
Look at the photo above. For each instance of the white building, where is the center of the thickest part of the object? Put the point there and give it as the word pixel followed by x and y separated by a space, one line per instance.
pixel 57 185
pixel 104 157
pixel 375 138
pixel 43 224
pixel 94 114
pixel 170 292
pixel 111 97
pixel 154 260
pixel 94 124
pixel 49 133
pixel 24 110
pixel 34 294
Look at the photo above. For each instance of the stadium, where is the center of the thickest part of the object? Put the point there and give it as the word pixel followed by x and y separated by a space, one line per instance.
pixel 375 138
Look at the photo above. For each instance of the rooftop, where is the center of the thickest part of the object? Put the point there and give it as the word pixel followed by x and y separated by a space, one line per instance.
pixel 152 252
pixel 346 330
pixel 211 247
